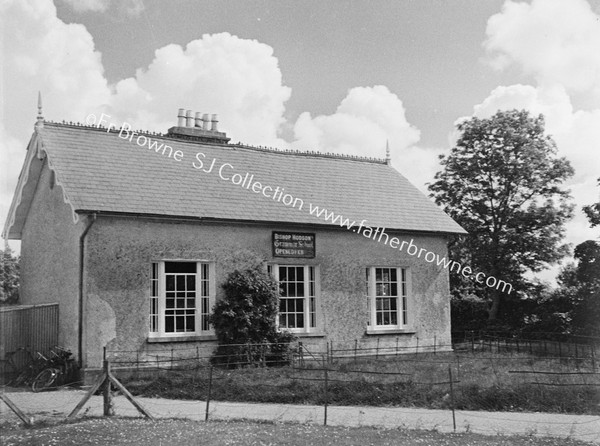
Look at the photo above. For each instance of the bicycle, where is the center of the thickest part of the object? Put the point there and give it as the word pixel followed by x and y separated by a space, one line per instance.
pixel 58 371
pixel 26 366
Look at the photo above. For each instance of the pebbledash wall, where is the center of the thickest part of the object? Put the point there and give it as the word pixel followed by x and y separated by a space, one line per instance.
pixel 120 251
pixel 50 256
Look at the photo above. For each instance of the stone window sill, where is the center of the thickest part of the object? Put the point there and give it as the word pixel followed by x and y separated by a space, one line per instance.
pixel 195 338
pixel 397 331
pixel 309 335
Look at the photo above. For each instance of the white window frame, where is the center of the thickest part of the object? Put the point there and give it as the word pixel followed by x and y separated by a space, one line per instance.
pixel 403 315
pixel 156 325
pixel 273 269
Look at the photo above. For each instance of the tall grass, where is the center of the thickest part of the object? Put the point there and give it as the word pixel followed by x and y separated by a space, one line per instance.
pixel 480 383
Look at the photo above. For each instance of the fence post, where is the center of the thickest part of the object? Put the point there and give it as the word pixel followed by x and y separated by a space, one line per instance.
pixel 593 347
pixel 106 392
pixel 171 359
pixel 326 397
pixel 452 397
pixel 434 343
pixel 377 350
pixel 355 348
pixel 210 376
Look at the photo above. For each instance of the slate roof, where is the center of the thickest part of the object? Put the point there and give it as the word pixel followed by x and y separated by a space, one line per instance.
pixel 99 171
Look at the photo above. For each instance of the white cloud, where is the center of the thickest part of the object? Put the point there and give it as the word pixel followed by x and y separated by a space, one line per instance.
pixel 236 78
pixel 40 52
pixel 43 53
pixel 556 41
pixel 362 123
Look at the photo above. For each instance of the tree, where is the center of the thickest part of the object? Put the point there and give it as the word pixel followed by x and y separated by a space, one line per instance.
pixel 586 314
pixel 245 320
pixel 502 183
pixel 593 212
pixel 9 276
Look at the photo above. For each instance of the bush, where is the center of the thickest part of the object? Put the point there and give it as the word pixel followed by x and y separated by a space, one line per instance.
pixel 245 321
pixel 468 313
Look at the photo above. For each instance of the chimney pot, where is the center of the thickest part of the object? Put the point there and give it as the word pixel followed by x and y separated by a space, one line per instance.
pixel 214 123
pixel 205 120
pixel 198 120
pixel 189 117
pixel 181 118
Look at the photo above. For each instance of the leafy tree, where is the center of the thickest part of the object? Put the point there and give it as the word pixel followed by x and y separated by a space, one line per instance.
pixel 9 276
pixel 593 212
pixel 502 183
pixel 586 314
pixel 245 320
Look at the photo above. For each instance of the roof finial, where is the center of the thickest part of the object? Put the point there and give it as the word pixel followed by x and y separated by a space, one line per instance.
pixel 40 119
pixel 388 158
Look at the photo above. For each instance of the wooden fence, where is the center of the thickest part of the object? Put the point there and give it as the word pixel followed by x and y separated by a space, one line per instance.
pixel 34 327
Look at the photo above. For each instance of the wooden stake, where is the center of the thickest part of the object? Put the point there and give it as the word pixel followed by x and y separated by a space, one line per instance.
pixel 129 396
pixel 106 393
pixel 24 418
pixel 210 374
pixel 326 398
pixel 88 395
pixel 452 397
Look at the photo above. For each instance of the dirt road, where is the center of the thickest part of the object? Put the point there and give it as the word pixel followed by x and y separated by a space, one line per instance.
pixel 57 405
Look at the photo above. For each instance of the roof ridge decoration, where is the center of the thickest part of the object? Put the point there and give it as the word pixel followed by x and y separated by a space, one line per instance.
pixel 239 144
pixel 39 124
pixel 388 157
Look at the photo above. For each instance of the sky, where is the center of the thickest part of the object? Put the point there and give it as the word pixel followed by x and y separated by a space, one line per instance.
pixel 341 76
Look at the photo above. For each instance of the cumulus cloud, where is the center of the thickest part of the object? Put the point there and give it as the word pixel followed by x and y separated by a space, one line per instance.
pixel 40 52
pixel 43 53
pixel 365 120
pixel 556 41
pixel 236 78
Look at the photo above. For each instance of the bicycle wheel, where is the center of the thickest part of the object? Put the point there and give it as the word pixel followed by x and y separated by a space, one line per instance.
pixel 45 379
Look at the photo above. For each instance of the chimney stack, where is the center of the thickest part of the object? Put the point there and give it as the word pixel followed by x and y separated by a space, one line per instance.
pixel 181 118
pixel 198 126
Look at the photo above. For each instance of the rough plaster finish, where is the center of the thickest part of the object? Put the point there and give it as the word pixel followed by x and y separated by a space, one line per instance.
pixel 50 257
pixel 120 251
pixel 100 321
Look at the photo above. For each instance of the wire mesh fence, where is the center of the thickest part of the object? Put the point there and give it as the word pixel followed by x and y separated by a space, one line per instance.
pixel 470 374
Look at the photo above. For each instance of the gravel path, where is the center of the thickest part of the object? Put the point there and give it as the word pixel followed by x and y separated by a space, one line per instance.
pixel 56 405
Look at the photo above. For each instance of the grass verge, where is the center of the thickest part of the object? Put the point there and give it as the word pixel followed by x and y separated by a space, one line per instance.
pixel 122 431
